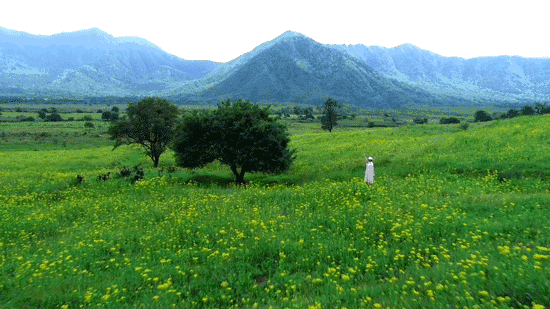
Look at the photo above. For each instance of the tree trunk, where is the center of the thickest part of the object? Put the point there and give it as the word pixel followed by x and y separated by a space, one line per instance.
pixel 156 159
pixel 239 177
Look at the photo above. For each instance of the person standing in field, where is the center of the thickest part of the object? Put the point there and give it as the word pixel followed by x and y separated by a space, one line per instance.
pixel 369 172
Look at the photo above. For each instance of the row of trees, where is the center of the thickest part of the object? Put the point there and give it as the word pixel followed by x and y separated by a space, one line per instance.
pixel 240 135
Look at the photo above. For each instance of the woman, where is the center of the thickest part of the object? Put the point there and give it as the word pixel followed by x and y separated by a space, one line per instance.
pixel 369 172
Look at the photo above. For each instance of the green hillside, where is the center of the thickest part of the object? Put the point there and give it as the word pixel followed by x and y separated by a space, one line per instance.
pixel 455 218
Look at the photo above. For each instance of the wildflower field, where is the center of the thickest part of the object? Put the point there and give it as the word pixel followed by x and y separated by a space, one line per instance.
pixel 455 219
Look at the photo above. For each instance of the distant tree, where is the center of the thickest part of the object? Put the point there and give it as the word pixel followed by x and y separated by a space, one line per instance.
pixel 286 111
pixel 88 124
pixel 513 113
pixel 109 116
pixel 149 123
pixel 42 114
pixel 99 111
pixel 54 117
pixel 542 108
pixel 18 110
pixel 482 116
pixel 420 120
pixel 448 120
pixel 527 110
pixel 79 111
pixel 114 109
pixel 308 113
pixel 298 110
pixel 87 118
pixel 240 135
pixel 330 115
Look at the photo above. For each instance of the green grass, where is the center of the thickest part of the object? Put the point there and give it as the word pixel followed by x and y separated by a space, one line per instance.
pixel 455 219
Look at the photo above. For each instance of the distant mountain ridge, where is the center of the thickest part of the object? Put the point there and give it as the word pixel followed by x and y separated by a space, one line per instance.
pixel 289 68
pixel 502 76
pixel 90 62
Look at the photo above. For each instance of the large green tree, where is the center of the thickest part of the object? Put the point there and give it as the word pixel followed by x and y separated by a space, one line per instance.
pixel 330 114
pixel 149 123
pixel 240 135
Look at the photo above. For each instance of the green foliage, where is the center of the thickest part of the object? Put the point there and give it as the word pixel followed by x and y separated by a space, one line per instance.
pixel 449 120
pixel 330 114
pixel 88 124
pixel 438 228
pixel 420 120
pixel 482 116
pixel 149 123
pixel 240 135
pixel 527 110
pixel 54 117
pixel 542 108
pixel 109 116
pixel 42 114
pixel 114 109
pixel 464 126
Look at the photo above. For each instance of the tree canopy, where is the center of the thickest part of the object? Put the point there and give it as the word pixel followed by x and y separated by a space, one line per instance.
pixel 330 115
pixel 240 135
pixel 149 123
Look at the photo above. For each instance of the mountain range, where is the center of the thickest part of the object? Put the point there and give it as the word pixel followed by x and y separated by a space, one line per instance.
pixel 289 68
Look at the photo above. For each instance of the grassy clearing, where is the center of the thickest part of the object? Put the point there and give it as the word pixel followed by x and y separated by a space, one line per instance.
pixel 455 218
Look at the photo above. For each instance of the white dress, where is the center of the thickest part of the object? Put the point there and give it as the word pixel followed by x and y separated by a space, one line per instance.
pixel 369 173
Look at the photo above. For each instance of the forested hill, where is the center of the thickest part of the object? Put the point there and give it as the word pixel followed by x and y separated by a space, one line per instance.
pixel 295 68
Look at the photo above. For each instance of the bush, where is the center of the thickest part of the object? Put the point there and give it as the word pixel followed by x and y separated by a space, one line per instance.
pixel 138 174
pixel 70 119
pixel 89 125
pixel 448 120
pixel 124 172
pixel 103 177
pixel 420 120
pixel 54 117
pixel 464 126
pixel 88 118
pixel 482 116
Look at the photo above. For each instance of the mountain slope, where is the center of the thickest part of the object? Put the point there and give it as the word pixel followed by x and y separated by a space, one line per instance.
pixel 91 62
pixel 295 68
pixel 502 76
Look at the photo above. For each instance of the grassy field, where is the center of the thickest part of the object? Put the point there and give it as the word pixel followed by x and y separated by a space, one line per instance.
pixel 456 219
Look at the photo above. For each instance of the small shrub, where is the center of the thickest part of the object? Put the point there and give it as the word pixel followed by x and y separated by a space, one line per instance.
pixel 54 118
pixel 79 180
pixel 448 120
pixel 104 177
pixel 89 125
pixel 482 116
pixel 464 126
pixel 420 120
pixel 124 172
pixel 139 173
pixel 88 118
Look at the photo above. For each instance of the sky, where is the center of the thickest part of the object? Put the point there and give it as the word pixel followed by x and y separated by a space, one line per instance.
pixel 224 30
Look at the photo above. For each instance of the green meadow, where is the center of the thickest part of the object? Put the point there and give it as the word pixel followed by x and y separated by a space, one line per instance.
pixel 455 219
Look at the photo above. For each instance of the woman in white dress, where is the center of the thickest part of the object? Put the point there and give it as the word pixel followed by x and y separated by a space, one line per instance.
pixel 369 172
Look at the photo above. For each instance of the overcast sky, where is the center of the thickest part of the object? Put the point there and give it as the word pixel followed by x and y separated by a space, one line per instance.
pixel 224 30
